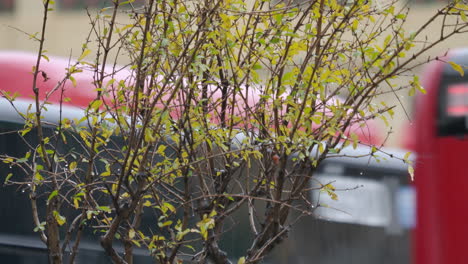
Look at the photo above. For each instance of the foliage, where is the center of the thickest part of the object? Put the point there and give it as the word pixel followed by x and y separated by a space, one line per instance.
pixel 224 105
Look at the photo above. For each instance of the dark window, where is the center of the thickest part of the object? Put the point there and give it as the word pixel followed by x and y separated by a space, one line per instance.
pixel 452 99
pixel 452 117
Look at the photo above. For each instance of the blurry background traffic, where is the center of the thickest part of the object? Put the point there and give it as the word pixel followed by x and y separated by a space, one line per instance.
pixel 69 25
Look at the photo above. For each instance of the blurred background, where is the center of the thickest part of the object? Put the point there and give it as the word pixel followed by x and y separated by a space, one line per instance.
pixel 69 25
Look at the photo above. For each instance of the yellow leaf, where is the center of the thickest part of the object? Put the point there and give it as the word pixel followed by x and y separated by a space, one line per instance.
pixel 406 157
pixel 73 80
pixel 73 166
pixel 170 207
pixel 355 25
pixel 457 67
pixel 131 233
pixel 149 136
pixel 136 243
pixel 89 214
pixel 167 223
pixel 204 232
pixel 241 260
pixel 60 219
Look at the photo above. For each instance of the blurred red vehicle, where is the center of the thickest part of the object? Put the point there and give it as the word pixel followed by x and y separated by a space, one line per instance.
pixel 16 77
pixel 438 136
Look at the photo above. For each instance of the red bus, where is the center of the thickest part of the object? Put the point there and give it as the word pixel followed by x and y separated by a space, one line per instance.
pixel 367 224
pixel 439 139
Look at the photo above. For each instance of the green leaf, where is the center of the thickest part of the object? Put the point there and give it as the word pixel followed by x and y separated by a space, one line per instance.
pixel 40 227
pixel 96 104
pixel 90 214
pixel 22 160
pixel 73 166
pixel 161 149
pixel 354 139
pixel 412 91
pixel 457 67
pixel 229 197
pixel 400 16
pixel 257 66
pixel 52 195
pixel 274 40
pixel 73 80
pixel 213 213
pixel 463 16
pixel 104 209
pixel 25 131
pixel 190 247
pixel 8 177
pixel 85 53
pixel 45 57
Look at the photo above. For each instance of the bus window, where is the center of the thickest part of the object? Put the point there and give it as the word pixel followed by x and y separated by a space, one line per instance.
pixel 457 100
pixel 359 200
pixel 453 107
pixel 452 101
